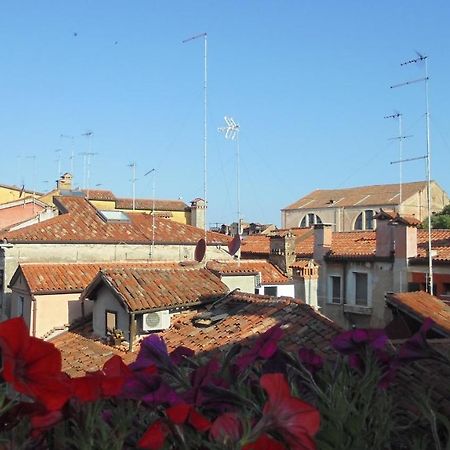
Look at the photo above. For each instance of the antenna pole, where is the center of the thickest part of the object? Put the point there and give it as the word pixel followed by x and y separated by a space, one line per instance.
pixel 58 161
pixel 72 153
pixel 205 118
pixel 424 59
pixel 33 158
pixel 152 248
pixel 133 182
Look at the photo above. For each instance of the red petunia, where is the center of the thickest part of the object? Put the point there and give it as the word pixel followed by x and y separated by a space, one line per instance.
pixel 295 420
pixel 32 366
pixel 264 442
pixel 226 428
pixel 154 437
pixel 182 413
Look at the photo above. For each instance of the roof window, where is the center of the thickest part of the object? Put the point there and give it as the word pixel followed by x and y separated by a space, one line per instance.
pixel 113 216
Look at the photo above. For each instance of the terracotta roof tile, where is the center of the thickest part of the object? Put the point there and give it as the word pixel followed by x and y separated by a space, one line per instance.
pixel 376 195
pixel 80 222
pixel 143 289
pixel 423 305
pixel 74 277
pixel 148 204
pixel 248 316
pixel 270 274
pixel 99 194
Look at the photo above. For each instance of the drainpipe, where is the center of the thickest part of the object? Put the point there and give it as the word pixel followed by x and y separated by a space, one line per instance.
pixel 34 314
pixel 132 331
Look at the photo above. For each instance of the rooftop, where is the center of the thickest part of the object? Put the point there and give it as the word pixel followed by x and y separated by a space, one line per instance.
pixel 270 274
pixel 376 195
pixel 142 289
pixel 80 222
pixel 421 305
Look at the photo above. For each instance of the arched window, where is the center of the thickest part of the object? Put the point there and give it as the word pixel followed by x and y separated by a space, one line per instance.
pixel 309 220
pixel 365 220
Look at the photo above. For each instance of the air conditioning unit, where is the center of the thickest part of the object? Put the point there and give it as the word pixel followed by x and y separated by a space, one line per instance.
pixel 159 320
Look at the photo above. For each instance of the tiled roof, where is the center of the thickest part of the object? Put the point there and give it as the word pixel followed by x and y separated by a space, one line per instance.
pixel 247 316
pixel 149 204
pixel 270 274
pixel 144 289
pixel 440 243
pixel 376 195
pixel 422 305
pixel 356 244
pixel 80 222
pixel 99 194
pixel 72 277
pixel 256 244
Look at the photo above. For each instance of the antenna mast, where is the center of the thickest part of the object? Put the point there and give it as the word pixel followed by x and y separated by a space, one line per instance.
pixel 205 116
pixel 231 131
pixel 152 248
pixel 422 58
pixel 87 160
pixel 33 158
pixel 72 153
pixel 58 161
pixel 133 182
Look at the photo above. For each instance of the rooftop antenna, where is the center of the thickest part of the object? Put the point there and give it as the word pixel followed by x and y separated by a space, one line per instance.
pixel 133 182
pixel 205 110
pixel 231 132
pixel 400 139
pixel 153 172
pixel 58 161
pixel 72 152
pixel 87 160
pixel 19 171
pixel 33 158
pixel 422 58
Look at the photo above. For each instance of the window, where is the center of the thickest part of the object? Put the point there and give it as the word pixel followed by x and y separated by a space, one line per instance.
pixel 270 290
pixel 335 284
pixel 110 321
pixel 446 289
pixel 2 275
pixel 365 220
pixel 309 220
pixel 413 287
pixel 361 289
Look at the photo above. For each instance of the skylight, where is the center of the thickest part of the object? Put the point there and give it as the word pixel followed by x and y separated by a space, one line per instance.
pixel 113 216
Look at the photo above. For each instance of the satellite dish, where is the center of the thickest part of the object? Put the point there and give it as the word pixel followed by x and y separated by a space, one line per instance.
pixel 200 250
pixel 234 245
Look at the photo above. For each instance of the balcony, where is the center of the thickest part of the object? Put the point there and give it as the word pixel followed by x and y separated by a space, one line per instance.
pixel 358 309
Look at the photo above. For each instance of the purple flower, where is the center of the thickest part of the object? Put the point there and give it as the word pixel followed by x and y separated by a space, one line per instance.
pixel 153 351
pixel 179 355
pixel 264 347
pixel 310 359
pixel 353 341
pixel 149 388
pixel 417 347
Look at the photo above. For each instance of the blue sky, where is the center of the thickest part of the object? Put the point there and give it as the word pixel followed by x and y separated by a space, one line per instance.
pixel 308 82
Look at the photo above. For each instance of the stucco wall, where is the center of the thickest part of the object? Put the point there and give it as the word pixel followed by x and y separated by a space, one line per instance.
pixel 246 283
pixel 46 253
pixel 106 301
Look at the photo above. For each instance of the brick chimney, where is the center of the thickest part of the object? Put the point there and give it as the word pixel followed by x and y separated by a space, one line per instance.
pixel 64 182
pixel 198 210
pixel 323 235
pixel 282 251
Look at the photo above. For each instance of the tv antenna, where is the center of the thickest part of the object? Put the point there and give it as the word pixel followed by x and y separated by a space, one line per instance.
pixel 87 161
pixel 205 111
pixel 153 172
pixel 231 132
pixel 400 139
pixel 72 152
pixel 133 182
pixel 58 162
pixel 33 159
pixel 422 58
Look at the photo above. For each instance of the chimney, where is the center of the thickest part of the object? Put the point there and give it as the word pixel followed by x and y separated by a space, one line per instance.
pixel 282 251
pixel 198 210
pixel 323 235
pixel 64 183
pixel 384 234
pixel 405 237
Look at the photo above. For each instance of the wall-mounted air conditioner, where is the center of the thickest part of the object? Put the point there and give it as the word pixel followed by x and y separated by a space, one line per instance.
pixel 159 320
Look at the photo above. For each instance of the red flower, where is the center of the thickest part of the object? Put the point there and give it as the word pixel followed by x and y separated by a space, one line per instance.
pixel 107 382
pixel 32 366
pixel 226 428
pixel 295 420
pixel 182 413
pixel 264 442
pixel 154 437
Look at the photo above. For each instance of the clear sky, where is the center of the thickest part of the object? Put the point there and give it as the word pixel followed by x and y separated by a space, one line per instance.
pixel 307 81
